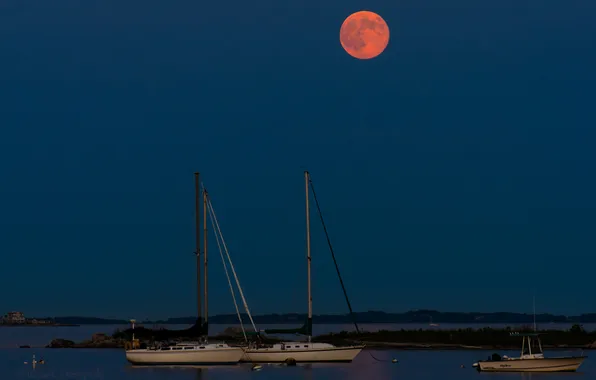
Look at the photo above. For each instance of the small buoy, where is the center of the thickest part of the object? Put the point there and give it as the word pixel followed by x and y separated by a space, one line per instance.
pixel 462 366
pixel 394 360
pixel 256 367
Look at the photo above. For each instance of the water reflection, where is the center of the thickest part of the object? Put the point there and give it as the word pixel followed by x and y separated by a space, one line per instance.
pixel 195 372
pixel 548 375
pixel 307 371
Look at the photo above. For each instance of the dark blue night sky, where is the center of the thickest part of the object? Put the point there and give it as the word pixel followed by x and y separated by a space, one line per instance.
pixel 455 170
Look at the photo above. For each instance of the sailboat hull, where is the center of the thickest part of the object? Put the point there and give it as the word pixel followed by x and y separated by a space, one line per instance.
pixel 563 364
pixel 207 356
pixel 302 353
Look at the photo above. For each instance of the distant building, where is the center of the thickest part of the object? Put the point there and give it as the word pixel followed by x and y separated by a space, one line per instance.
pixel 18 318
pixel 14 317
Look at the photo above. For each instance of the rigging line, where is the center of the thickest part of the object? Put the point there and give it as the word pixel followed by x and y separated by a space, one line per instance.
pixel 218 229
pixel 217 238
pixel 232 267
pixel 333 254
pixel 211 217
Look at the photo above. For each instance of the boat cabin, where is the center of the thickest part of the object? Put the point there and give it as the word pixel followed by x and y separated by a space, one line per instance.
pixel 293 346
pixel 180 347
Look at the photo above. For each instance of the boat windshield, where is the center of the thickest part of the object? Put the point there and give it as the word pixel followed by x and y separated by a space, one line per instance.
pixel 532 347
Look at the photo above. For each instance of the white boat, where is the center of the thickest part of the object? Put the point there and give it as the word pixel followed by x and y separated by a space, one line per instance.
pixel 301 352
pixel 206 354
pixel 189 353
pixel 532 359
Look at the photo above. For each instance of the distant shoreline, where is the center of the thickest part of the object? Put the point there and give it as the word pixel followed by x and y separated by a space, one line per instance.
pixel 377 347
pixel 369 317
pixel 463 339
pixel 234 323
pixel 39 325
pixel 461 347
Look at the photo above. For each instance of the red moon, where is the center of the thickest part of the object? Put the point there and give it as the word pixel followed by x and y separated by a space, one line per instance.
pixel 364 35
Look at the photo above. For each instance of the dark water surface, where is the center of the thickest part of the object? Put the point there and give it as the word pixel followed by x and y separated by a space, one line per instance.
pixel 105 364
pixel 93 364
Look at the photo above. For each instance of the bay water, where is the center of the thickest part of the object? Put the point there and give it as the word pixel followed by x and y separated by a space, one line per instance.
pixel 110 364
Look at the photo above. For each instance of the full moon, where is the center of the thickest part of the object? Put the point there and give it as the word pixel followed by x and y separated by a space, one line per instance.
pixel 364 35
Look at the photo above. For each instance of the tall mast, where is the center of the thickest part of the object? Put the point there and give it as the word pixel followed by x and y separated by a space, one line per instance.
pixel 308 259
pixel 534 308
pixel 205 255
pixel 198 251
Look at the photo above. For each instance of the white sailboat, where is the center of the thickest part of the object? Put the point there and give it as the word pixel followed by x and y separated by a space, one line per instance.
pixel 296 352
pixel 195 353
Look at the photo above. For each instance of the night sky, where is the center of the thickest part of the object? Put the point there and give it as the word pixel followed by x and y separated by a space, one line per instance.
pixel 455 170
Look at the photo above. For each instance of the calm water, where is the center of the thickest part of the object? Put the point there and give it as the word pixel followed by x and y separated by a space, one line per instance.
pixel 111 364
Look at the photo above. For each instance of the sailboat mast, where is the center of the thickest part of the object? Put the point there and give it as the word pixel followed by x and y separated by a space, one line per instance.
pixel 198 247
pixel 205 284
pixel 308 259
pixel 534 308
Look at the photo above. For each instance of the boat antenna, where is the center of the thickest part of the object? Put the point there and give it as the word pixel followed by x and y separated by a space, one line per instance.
pixel 312 187
pixel 199 322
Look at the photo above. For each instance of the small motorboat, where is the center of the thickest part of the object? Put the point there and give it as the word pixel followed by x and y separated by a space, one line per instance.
pixel 532 359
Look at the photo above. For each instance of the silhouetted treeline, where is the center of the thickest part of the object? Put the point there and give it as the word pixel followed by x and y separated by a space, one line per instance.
pixel 575 336
pixel 415 316
pixel 485 337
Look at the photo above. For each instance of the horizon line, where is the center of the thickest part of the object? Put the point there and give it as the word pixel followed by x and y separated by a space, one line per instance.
pixel 323 314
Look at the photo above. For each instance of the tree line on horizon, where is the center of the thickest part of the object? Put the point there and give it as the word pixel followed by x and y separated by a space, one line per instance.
pixel 415 316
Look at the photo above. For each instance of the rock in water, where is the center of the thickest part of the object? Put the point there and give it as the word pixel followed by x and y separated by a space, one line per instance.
pixel 61 343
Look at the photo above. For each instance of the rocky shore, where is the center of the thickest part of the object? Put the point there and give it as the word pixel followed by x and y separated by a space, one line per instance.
pixel 431 339
pixel 98 340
